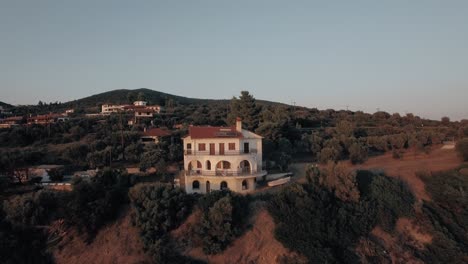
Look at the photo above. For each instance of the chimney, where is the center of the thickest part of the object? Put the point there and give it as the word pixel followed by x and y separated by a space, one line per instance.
pixel 239 124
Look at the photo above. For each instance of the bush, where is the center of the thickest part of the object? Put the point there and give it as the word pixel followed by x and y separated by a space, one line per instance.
pixel 462 148
pixel 312 221
pixel 55 174
pixel 397 154
pixel 315 222
pixel 159 208
pixel 93 203
pixel 328 154
pixel 224 218
pixel 391 198
pixel 32 209
pixel 357 153
pixel 448 213
pixel 20 244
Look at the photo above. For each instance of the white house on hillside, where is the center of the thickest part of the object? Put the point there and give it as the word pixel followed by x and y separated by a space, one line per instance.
pixel 218 158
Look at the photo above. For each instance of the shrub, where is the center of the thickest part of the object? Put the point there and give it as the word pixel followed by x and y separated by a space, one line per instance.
pixel 314 222
pixel 21 244
pixel 448 213
pixel 397 154
pixel 357 153
pixel 32 208
pixel 224 218
pixel 55 174
pixel 462 148
pixel 328 154
pixel 93 203
pixel 391 198
pixel 159 208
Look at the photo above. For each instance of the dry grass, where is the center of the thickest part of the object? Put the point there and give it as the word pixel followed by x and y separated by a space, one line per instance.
pixel 118 242
pixel 412 163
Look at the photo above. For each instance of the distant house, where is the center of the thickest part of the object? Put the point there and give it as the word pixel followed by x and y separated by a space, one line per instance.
pixel 153 135
pixel 44 119
pixel 107 109
pixel 11 121
pixel 140 103
pixel 141 109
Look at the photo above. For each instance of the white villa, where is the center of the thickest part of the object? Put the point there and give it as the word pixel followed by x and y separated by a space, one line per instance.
pixel 218 158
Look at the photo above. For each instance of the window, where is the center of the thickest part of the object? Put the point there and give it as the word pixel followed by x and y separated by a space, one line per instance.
pixel 196 185
pixel 232 146
pixel 201 147
pixel 189 148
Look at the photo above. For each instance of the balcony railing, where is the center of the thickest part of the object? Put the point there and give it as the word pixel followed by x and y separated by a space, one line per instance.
pixel 241 172
pixel 219 153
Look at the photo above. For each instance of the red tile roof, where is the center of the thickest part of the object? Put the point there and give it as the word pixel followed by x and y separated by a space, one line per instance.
pixel 213 132
pixel 156 132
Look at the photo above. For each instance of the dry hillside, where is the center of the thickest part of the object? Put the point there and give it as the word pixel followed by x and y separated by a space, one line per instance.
pixel 118 242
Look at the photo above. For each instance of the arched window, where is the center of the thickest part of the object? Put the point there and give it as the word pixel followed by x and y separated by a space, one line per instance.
pixel 225 165
pixel 224 185
pixel 208 165
pixel 196 185
pixel 245 185
pixel 245 167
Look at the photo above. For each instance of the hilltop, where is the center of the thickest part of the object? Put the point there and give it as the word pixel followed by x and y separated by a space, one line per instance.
pixel 3 104
pixel 121 96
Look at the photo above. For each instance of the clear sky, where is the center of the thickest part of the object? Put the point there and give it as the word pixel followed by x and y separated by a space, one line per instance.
pixel 398 56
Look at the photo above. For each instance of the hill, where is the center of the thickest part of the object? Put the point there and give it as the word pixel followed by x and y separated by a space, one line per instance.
pixel 5 105
pixel 123 96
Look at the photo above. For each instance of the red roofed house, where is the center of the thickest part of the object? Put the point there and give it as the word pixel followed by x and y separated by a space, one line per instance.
pixel 44 119
pixel 11 121
pixel 153 135
pixel 218 158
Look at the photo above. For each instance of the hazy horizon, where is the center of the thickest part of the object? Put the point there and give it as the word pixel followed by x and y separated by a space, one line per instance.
pixel 397 56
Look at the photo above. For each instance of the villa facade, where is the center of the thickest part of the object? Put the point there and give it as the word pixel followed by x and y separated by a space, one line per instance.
pixel 217 158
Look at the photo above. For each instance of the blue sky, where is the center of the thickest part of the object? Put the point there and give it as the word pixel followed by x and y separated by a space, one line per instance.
pixel 398 56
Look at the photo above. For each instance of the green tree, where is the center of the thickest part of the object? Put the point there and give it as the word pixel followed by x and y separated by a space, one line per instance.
pixel 55 174
pixel 328 154
pixel 246 108
pixel 141 96
pixel 357 153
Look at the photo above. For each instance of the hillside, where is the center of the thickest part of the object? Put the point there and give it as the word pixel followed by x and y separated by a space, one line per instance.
pixel 5 105
pixel 154 97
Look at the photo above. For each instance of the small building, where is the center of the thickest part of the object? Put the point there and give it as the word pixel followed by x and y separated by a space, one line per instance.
pixel 153 135
pixel 11 121
pixel 140 103
pixel 108 109
pixel 217 158
pixel 144 112
pixel 44 119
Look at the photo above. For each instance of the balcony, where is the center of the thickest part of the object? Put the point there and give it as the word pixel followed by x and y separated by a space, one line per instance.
pixel 224 173
pixel 219 153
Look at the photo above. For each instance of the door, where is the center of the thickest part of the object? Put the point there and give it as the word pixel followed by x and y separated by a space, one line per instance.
pixel 221 148
pixel 246 147
pixel 212 148
pixel 208 187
